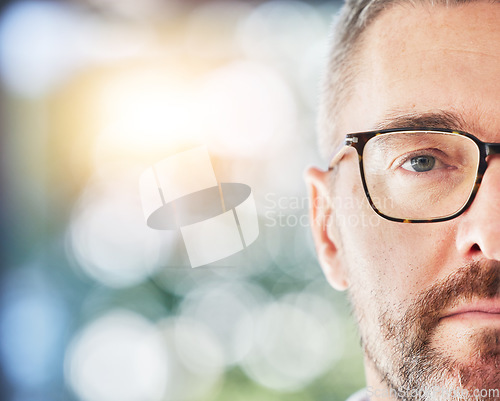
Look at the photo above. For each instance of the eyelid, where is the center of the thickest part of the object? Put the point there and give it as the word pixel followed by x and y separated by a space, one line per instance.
pixel 438 164
pixel 400 160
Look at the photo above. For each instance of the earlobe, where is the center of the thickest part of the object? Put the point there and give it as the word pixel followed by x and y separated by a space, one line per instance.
pixel 323 230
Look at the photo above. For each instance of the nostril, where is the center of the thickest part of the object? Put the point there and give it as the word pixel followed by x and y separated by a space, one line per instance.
pixel 475 248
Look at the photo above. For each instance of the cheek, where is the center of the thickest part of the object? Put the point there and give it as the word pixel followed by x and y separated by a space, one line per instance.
pixel 391 261
pixel 395 261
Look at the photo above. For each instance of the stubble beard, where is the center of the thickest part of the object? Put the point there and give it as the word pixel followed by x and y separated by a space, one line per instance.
pixel 407 359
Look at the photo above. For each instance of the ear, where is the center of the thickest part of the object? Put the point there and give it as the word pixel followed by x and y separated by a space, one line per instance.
pixel 322 224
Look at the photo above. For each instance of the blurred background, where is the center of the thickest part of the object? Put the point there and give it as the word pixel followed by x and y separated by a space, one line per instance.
pixel 94 304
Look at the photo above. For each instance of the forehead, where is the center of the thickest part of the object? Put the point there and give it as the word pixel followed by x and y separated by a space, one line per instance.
pixel 418 59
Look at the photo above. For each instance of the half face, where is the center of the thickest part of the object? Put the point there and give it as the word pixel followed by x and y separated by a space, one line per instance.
pixel 426 295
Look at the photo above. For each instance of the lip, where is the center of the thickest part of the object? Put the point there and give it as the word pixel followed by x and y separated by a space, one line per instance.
pixel 482 309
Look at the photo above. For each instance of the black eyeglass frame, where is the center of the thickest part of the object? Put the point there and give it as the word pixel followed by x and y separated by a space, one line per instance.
pixel 360 139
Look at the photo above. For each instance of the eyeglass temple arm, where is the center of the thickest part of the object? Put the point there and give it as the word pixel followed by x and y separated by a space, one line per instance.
pixel 339 152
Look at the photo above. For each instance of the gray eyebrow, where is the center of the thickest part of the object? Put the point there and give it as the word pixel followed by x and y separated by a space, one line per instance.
pixel 432 119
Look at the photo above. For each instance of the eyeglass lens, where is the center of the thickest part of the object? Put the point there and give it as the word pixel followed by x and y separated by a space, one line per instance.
pixel 420 175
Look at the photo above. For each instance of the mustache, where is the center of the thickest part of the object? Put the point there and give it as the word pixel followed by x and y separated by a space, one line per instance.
pixel 479 279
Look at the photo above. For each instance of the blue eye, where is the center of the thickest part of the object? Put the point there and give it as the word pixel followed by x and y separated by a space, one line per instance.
pixel 420 164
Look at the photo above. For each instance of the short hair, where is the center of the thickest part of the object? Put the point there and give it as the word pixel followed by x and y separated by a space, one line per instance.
pixel 353 19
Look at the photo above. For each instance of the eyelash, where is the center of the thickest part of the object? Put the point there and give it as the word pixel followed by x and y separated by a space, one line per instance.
pixel 423 152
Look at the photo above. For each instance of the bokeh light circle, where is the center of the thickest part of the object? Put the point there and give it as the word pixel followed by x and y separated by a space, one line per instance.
pixel 118 357
pixel 226 308
pixel 196 358
pixel 296 340
pixel 109 237
pixel 246 106
pixel 280 30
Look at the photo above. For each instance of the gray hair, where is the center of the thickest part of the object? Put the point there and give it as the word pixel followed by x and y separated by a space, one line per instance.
pixel 355 16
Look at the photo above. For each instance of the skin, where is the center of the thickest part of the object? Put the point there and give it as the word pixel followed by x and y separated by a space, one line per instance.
pixel 418 60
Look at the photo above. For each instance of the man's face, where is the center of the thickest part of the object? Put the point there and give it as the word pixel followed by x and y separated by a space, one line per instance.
pixel 425 295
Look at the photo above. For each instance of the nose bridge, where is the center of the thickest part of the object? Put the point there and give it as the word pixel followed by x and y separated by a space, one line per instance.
pixel 489 191
pixel 481 224
pixel 491 176
pixel 492 149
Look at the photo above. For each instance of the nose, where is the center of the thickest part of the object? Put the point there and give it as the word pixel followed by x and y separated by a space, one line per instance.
pixel 478 234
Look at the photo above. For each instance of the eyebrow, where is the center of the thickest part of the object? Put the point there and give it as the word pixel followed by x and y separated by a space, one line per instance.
pixel 434 119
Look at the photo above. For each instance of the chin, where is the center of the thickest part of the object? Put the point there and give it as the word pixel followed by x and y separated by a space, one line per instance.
pixel 471 375
pixel 482 371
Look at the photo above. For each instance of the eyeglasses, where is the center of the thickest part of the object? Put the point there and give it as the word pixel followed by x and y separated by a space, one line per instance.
pixel 419 175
